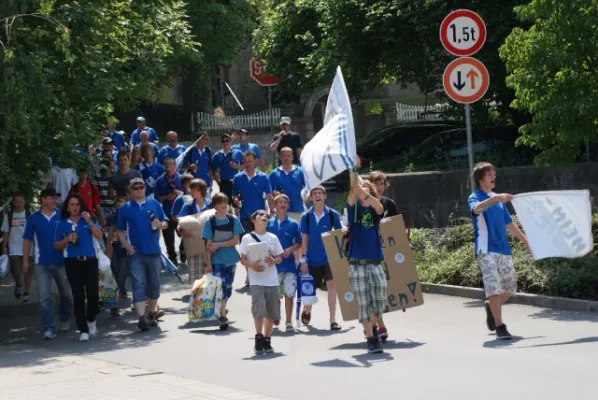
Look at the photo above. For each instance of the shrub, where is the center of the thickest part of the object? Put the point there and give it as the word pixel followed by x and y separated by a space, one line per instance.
pixel 445 256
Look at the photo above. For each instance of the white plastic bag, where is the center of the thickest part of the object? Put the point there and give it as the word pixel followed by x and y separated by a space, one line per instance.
pixel 206 299
pixel 4 266
pixel 107 286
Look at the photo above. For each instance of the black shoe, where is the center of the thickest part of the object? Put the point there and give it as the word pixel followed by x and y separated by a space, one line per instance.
pixel 374 345
pixel 489 318
pixel 223 321
pixel 152 321
pixel 267 345
pixel 375 332
pixel 259 344
pixel 142 324
pixel 502 333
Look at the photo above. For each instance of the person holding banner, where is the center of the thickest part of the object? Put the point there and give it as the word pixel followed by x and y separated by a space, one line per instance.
pixel 317 220
pixel 199 158
pixel 491 221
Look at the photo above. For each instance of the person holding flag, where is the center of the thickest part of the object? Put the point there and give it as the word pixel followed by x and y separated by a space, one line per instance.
pixel 199 158
pixel 226 163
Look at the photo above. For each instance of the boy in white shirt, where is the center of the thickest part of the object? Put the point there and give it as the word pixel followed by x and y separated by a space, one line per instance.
pixel 263 281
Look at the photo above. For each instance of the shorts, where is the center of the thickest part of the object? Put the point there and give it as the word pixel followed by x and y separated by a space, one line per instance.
pixel 368 283
pixel 265 302
pixel 196 266
pixel 287 281
pixel 321 275
pixel 145 277
pixel 498 273
pixel 226 272
pixel 16 265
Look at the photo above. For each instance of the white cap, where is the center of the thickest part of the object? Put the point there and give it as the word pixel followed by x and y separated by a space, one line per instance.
pixel 285 120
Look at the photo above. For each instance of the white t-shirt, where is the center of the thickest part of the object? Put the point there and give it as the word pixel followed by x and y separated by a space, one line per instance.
pixel 62 180
pixel 268 277
pixel 15 240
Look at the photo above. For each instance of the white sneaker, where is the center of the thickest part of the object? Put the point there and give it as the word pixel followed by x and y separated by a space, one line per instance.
pixel 64 326
pixel 49 335
pixel 93 330
pixel 84 337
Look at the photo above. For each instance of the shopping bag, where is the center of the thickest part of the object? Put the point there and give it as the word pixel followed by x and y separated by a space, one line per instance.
pixel 4 266
pixel 206 299
pixel 107 286
pixel 308 290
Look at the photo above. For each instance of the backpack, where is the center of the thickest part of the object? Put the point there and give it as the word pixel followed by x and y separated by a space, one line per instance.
pixel 228 227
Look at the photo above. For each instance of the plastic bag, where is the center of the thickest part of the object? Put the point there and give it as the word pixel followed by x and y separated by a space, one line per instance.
pixel 107 286
pixel 206 299
pixel 308 290
pixel 4 266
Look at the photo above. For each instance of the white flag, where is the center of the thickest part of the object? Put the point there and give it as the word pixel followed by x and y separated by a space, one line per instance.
pixel 183 156
pixel 556 223
pixel 333 149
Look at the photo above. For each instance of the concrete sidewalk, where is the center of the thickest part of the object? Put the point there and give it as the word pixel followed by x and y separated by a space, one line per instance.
pixel 27 372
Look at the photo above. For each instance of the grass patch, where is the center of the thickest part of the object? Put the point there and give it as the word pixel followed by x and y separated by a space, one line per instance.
pixel 445 256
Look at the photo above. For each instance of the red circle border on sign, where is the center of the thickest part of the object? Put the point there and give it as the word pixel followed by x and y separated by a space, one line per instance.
pixel 462 13
pixel 448 87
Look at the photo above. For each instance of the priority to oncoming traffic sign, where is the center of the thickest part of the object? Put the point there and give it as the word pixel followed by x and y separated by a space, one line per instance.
pixel 463 33
pixel 466 80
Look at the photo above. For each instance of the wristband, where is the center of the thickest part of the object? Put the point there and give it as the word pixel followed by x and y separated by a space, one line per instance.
pixel 303 259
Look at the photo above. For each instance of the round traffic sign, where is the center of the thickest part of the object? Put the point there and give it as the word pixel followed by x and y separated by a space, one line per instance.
pixel 466 80
pixel 463 33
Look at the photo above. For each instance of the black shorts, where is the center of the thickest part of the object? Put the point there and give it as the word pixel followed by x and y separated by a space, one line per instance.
pixel 321 275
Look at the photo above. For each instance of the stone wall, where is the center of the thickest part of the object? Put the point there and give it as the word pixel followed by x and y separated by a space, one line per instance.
pixel 432 199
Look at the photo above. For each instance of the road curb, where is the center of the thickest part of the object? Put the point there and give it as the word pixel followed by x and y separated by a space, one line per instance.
pixel 560 303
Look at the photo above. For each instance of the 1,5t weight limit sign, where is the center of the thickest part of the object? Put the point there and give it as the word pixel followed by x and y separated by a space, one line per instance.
pixel 463 33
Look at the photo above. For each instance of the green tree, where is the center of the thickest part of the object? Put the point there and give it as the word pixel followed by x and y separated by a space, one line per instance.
pixel 553 68
pixel 66 64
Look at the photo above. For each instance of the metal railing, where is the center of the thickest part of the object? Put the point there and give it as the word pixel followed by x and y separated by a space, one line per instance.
pixel 406 112
pixel 261 120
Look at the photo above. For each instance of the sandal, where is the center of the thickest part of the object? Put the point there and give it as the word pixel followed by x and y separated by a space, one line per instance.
pixel 305 318
pixel 335 326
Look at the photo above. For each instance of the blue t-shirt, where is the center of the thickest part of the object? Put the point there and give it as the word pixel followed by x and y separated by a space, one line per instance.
pixel 489 228
pixel 84 246
pixel 41 230
pixel 226 255
pixel 252 191
pixel 249 146
pixel 364 235
pixel 316 253
pixel 135 219
pixel 166 185
pixel 169 152
pixel 192 208
pixel 150 174
pixel 178 204
pixel 221 162
pixel 135 140
pixel 288 233
pixel 290 184
pixel 203 161
pixel 118 139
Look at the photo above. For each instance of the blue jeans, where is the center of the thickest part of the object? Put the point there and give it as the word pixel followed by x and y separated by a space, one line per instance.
pixel 43 277
pixel 145 277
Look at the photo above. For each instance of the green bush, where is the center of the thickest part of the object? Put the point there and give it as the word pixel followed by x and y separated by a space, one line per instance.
pixel 445 256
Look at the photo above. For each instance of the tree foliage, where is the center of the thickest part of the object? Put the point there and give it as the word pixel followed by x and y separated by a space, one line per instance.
pixel 375 42
pixel 553 68
pixel 65 65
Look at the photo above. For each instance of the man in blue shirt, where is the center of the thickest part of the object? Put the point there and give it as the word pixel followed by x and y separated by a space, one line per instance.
pixel 168 188
pixel 225 165
pixel 200 160
pixel 288 232
pixel 317 220
pixel 49 263
pixel 117 137
pixel 289 179
pixel 244 145
pixel 150 170
pixel 141 126
pixel 366 276
pixel 144 140
pixel 139 224
pixel 172 150
pixel 491 220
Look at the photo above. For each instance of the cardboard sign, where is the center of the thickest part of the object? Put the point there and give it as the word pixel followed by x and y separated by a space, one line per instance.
pixel 403 285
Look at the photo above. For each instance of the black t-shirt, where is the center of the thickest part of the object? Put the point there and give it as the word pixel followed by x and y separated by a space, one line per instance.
pixel 292 140
pixel 390 208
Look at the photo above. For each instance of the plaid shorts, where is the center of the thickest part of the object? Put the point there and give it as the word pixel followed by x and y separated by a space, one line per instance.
pixel 498 273
pixel 368 283
pixel 226 272
pixel 196 266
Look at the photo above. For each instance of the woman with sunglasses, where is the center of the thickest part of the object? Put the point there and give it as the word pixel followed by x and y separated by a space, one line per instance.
pixel 74 236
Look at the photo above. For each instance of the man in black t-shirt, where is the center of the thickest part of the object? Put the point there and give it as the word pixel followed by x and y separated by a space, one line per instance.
pixel 287 138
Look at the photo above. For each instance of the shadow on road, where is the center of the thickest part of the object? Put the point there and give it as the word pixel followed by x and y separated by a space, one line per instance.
pixel 563 315
pixel 363 361
pixel 326 332
pixel 494 343
pixel 390 344
pixel 263 357
pixel 474 304
pixel 591 339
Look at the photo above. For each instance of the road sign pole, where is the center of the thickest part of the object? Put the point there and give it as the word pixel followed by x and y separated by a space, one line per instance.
pixel 271 119
pixel 469 144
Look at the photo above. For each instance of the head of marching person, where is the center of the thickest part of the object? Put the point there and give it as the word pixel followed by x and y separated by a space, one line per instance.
pixel 170 166
pixel 134 156
pixel 137 186
pixel 249 162
pixel 281 205
pixel 141 124
pixel 108 144
pixel 83 175
pixel 484 176
pixel 73 207
pixel 220 204
pixel 198 189
pixel 243 135
pixel 260 221
pixel 318 196
pixel 285 124
pixel 286 158
pixel 226 142
pixel 172 139
pixel 203 138
pixel 144 137
pixel 49 200
pixel 287 139
pixel 124 164
pixel 186 179
pixel 379 180
pixel 147 153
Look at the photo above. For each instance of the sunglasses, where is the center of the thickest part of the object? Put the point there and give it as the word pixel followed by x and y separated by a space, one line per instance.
pixel 225 141
pixel 139 188
pixel 262 214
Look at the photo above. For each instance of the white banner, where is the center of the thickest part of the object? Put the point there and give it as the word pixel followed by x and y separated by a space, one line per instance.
pixel 556 223
pixel 333 149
